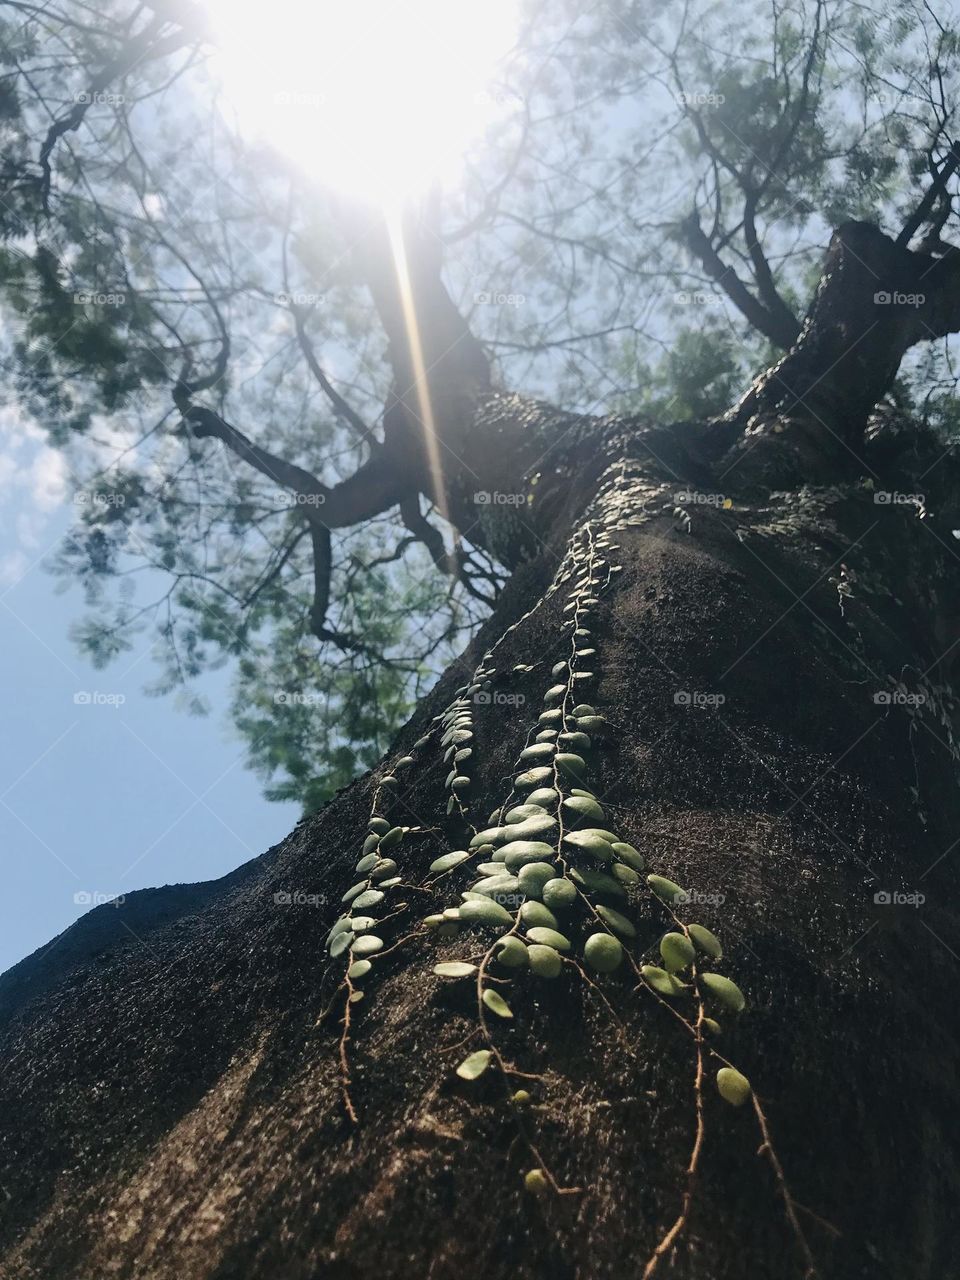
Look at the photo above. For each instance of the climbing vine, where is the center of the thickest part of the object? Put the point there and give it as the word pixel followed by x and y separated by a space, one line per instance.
pixel 546 884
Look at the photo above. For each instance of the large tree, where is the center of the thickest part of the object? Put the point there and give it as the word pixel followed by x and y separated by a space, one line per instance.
pixel 634 954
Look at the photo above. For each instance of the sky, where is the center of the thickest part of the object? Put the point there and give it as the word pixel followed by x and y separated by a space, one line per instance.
pixel 103 790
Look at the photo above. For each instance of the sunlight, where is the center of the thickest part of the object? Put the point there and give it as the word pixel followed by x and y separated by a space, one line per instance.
pixel 378 98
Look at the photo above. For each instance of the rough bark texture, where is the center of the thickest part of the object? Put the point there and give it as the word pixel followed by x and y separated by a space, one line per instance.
pixel 172 1103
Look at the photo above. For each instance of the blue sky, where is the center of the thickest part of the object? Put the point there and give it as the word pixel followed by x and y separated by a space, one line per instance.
pixel 100 796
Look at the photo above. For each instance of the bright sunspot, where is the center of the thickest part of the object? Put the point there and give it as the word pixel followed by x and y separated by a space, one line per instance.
pixel 375 97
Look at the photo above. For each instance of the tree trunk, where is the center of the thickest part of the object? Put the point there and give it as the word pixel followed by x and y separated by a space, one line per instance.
pixel 182 1096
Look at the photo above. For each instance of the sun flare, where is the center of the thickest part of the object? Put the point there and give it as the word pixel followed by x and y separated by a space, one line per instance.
pixel 378 98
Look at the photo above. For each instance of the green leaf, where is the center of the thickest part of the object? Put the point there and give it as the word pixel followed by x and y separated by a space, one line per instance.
pixel 628 854
pixel 548 938
pixel 511 952
pixel 727 992
pixel 617 922
pixel 587 808
pixel 454 969
pixel 536 913
pixel 533 876
pixel 449 860
pixel 677 951
pixel 559 893
pixel 706 940
pixel 474 1064
pixel 532 778
pixel 665 984
pixel 340 943
pixel 590 842
pixel 368 899
pixel 485 911
pixel 496 1003
pixel 733 1087
pixel 359 969
pixel 367 945
pixel 665 889
pixel 602 953
pixel 544 961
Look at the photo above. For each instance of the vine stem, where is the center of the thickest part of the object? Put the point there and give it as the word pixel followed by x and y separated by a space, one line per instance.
pixel 671 1237
pixel 789 1205
pixel 344 1060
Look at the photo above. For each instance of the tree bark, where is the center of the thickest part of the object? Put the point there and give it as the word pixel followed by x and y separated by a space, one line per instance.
pixel 183 1097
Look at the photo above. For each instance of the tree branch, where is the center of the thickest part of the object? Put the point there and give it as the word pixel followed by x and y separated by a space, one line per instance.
pixel 779 328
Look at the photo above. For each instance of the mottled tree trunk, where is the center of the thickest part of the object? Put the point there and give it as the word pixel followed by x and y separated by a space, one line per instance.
pixel 179 1079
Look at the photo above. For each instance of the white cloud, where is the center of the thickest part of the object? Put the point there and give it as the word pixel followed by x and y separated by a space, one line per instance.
pixel 33 485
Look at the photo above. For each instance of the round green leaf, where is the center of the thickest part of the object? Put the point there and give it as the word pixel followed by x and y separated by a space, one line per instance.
pixel 602 953
pixel 340 943
pixel 536 913
pixel 665 984
pixel 544 961
pixel 617 922
pixel 628 854
pixel 584 806
pixel 546 797
pixel 532 778
pixel 511 952
pixel 665 889
pixel 484 911
pixel 367 945
pixel 449 860
pixel 368 899
pixel 533 876
pixel 590 842
pixel 521 812
pixel 548 938
pixel 677 951
pixel 727 992
pixel 733 1087
pixel 559 893
pixel 496 1003
pixel 359 969
pixel 474 1064
pixel 706 940
pixel 454 969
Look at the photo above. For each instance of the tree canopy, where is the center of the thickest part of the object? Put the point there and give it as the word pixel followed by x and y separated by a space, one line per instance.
pixel 211 330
